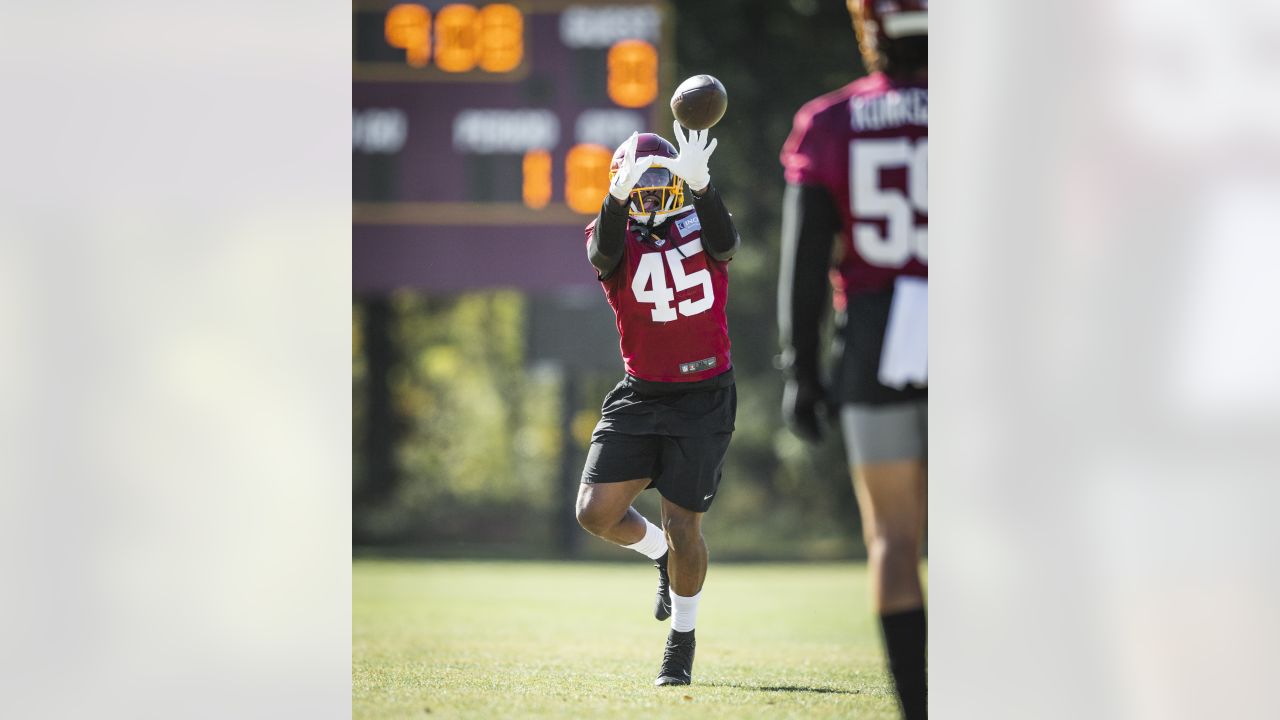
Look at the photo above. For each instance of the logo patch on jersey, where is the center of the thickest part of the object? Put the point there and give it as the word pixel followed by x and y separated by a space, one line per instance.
pixel 688 225
pixel 697 366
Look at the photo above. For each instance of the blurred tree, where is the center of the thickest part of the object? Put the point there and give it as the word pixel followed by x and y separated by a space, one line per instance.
pixel 480 441
pixel 379 428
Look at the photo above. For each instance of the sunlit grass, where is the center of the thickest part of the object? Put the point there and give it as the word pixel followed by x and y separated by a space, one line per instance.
pixel 557 640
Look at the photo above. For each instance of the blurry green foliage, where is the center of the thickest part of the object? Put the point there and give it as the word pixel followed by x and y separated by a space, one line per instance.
pixel 480 446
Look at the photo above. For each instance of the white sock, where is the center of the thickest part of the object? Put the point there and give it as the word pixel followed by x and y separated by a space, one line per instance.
pixel 684 611
pixel 653 545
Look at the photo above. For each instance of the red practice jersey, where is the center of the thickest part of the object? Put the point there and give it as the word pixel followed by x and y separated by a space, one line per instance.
pixel 868 145
pixel 669 297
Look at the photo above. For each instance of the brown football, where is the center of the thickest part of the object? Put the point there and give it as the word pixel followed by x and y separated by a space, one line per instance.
pixel 699 102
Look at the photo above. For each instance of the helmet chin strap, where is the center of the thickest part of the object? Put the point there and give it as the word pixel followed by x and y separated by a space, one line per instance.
pixel 647 227
pixel 647 230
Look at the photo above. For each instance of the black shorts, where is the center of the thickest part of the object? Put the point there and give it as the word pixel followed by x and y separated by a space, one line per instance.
pixel 675 437
pixel 855 367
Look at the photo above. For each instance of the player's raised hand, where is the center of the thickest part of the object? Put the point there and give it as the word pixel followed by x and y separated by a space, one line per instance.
pixel 629 171
pixel 692 164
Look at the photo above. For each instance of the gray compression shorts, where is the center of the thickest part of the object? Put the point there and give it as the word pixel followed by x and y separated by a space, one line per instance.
pixel 881 433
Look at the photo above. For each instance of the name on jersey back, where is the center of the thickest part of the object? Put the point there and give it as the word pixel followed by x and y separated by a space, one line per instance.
pixel 894 108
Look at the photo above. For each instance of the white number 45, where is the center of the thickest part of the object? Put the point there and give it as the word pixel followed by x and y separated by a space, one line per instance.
pixel 650 283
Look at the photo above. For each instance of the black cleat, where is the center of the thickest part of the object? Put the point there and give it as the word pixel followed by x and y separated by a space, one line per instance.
pixel 677 661
pixel 662 601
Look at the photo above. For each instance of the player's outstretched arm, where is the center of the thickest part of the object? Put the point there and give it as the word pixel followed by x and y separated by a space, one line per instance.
pixel 692 164
pixel 719 235
pixel 608 236
pixel 607 240
pixel 809 224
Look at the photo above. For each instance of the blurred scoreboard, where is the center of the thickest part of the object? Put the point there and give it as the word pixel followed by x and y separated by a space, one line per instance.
pixel 482 135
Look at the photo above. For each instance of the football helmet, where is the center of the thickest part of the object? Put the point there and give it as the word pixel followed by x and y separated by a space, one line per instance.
pixel 658 183
pixel 883 26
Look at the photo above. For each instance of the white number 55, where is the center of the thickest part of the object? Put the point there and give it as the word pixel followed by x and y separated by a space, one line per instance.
pixel 902 238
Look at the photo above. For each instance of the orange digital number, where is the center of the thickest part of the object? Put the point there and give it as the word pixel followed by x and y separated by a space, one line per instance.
pixel 586 177
pixel 501 38
pixel 537 179
pixel 633 73
pixel 492 37
pixel 408 27
pixel 457 38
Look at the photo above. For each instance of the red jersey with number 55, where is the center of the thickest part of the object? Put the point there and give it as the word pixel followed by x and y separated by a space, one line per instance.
pixel 868 145
pixel 669 298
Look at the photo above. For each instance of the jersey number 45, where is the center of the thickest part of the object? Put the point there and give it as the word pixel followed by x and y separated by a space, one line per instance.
pixel 650 282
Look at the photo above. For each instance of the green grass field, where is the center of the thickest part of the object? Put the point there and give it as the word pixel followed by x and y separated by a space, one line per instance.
pixel 577 640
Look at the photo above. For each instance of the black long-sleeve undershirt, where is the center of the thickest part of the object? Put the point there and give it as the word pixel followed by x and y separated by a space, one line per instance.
pixel 605 246
pixel 608 238
pixel 810 222
pixel 719 235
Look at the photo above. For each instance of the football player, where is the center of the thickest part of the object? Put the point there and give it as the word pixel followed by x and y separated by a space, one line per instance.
pixel 856 166
pixel 663 265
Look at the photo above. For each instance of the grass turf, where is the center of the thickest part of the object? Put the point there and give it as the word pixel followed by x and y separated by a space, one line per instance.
pixel 556 640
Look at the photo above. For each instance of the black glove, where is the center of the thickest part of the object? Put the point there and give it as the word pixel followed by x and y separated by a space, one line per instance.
pixel 801 401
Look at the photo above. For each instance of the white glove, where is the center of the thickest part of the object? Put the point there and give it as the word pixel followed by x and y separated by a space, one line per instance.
pixel 629 171
pixel 691 164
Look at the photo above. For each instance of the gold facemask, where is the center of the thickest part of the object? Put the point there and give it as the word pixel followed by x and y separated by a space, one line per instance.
pixel 660 181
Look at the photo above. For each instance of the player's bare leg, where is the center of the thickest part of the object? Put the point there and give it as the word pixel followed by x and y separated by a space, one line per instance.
pixel 688 564
pixel 604 510
pixel 688 568
pixel 892 500
pixel 891 497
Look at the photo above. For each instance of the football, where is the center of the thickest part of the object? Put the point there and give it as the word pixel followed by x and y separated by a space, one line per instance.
pixel 699 102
